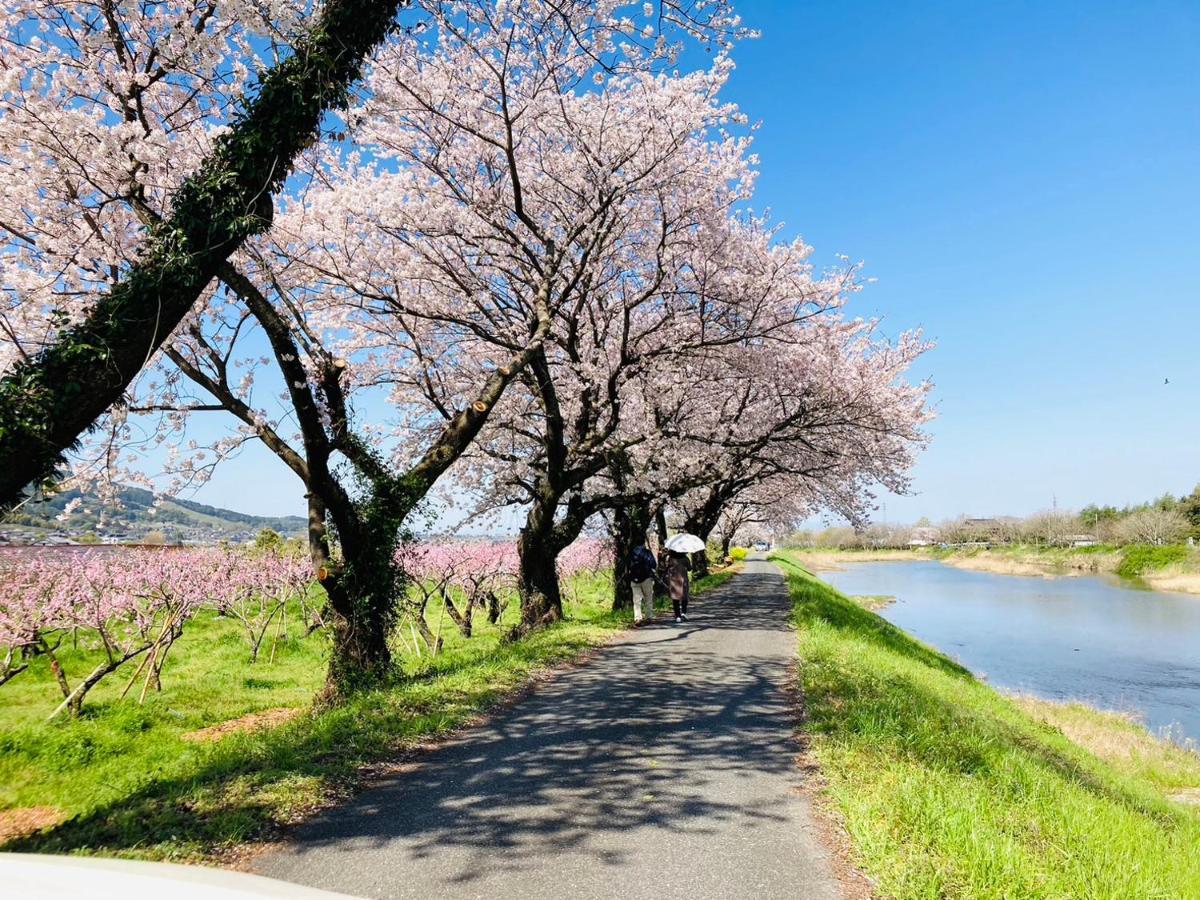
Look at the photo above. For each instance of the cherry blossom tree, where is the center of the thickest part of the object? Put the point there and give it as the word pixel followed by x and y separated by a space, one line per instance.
pixel 773 505
pixel 683 405
pixel 424 261
pixel 128 162
pixel 812 414
pixel 681 275
pixel 131 174
pixel 821 419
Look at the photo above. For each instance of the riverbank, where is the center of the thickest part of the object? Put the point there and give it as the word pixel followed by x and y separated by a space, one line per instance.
pixel 823 560
pixel 948 788
pixel 230 751
pixel 1167 568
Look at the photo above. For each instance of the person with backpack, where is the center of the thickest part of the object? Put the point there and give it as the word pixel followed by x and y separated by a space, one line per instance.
pixel 641 573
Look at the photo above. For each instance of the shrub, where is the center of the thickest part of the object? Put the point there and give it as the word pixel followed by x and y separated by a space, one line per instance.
pixel 1141 558
pixel 738 553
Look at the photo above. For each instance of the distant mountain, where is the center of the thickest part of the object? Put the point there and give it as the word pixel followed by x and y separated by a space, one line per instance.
pixel 136 518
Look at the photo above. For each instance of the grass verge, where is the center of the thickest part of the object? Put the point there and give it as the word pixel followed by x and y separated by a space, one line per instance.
pixel 949 789
pixel 128 783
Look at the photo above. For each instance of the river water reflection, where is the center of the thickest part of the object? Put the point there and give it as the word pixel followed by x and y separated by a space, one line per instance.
pixel 1078 638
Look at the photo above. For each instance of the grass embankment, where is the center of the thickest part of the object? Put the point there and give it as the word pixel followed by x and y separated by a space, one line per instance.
pixel 950 789
pixel 126 780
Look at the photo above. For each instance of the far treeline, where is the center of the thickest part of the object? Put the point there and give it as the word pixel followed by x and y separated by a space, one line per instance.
pixel 1164 521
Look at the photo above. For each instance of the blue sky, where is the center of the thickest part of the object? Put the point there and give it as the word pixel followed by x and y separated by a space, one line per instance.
pixel 1023 181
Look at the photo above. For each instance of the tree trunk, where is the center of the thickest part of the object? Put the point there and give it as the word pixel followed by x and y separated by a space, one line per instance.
pixel 360 656
pixel 73 701
pixel 359 609
pixel 621 535
pixel 432 641
pixel 660 530
pixel 363 594
pixel 701 522
pixel 726 540
pixel 538 547
pixel 494 608
pixel 700 558
pixel 537 582
pixel 461 619
pixel 629 528
pixel 660 525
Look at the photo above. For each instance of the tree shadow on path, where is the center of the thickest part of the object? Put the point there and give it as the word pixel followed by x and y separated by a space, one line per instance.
pixel 684 730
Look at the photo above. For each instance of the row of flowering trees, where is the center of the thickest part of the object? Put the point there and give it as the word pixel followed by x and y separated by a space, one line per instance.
pixel 467 577
pixel 524 263
pixel 130 606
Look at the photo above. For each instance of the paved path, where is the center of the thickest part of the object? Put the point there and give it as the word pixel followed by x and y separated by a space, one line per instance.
pixel 664 768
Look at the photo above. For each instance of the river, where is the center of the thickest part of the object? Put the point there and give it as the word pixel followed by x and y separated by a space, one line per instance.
pixel 1084 638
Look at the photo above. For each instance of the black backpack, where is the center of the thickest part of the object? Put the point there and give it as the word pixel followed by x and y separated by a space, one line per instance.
pixel 641 564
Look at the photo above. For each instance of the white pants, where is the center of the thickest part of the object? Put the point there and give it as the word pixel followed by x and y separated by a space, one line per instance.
pixel 643 592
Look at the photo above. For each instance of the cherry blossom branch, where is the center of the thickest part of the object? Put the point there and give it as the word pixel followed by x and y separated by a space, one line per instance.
pixel 48 401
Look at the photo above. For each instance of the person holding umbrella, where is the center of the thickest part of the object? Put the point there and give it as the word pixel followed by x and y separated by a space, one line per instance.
pixel 677 568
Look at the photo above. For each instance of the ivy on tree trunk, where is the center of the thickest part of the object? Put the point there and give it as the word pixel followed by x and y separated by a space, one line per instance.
pixel 47 402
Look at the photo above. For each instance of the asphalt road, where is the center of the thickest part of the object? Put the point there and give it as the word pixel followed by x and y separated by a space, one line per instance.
pixel 663 768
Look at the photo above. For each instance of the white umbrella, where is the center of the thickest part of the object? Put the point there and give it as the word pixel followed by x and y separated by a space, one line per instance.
pixel 685 543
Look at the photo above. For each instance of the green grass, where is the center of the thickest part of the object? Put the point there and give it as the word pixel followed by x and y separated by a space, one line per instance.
pixel 129 784
pixel 949 789
pixel 1123 743
pixel 1130 561
pixel 1139 559
pixel 873 602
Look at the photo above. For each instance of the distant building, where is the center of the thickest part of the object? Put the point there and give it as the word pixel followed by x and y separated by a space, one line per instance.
pixel 1081 540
